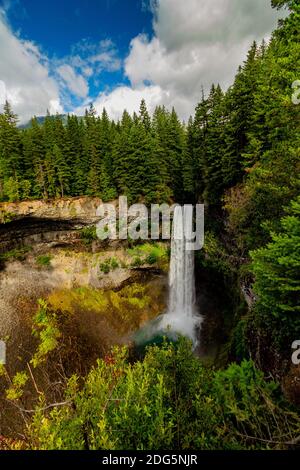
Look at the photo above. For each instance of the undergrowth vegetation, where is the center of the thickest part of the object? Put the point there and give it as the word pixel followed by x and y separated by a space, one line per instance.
pixel 167 400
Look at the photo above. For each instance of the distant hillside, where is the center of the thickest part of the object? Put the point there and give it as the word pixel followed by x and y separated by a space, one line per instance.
pixel 41 120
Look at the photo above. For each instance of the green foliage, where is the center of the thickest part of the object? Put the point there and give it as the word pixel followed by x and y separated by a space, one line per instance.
pixel 166 401
pixel 252 405
pixel 276 268
pixel 114 263
pixel 105 267
pixel 44 260
pixel 123 311
pixel 46 330
pixel 215 256
pixel 109 264
pixel 239 343
pixel 149 253
pixel 17 253
pixel 6 217
pixel 88 235
pixel 152 258
pixel 95 156
pixel 283 3
pixel 137 262
pixel 16 390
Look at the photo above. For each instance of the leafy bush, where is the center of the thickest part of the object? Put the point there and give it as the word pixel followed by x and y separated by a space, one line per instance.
pixel 137 262
pixel 114 263
pixel 150 253
pixel 166 401
pixel 46 330
pixel 17 253
pixel 44 260
pixel 105 267
pixel 152 258
pixel 88 235
pixel 7 217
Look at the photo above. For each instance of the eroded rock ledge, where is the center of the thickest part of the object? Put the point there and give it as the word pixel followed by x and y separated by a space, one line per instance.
pixel 56 220
pixel 75 208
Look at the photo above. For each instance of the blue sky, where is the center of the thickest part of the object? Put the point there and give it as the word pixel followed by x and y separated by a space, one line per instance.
pixel 62 55
pixel 58 25
pixel 63 29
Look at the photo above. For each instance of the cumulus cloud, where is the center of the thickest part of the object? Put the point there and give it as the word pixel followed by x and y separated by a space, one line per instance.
pixel 196 43
pixel 98 57
pixel 33 82
pixel 24 76
pixel 125 97
pixel 75 82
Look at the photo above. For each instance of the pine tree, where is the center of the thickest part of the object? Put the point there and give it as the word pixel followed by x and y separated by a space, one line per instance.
pixel 92 151
pixel 108 189
pixel 62 171
pixel 11 162
pixel 49 180
pixel 277 282
pixel 34 154
pixel 145 117
pixel 212 166
pixel 175 149
pixel 120 154
pixel 200 136
pixel 188 164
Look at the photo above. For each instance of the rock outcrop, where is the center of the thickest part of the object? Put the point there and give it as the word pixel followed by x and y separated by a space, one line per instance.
pixel 58 220
pixel 76 208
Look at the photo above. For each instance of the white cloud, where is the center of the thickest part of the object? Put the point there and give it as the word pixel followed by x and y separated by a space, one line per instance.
pixel 98 57
pixel 87 71
pixel 33 82
pixel 124 97
pixel 24 76
pixel 75 82
pixel 107 60
pixel 196 43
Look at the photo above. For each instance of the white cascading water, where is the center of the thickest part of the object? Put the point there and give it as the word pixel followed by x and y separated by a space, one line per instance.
pixel 181 316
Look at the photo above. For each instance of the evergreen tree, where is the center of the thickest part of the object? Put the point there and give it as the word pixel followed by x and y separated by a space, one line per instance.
pixel 34 155
pixel 108 189
pixel 175 149
pixel 188 164
pixel 212 160
pixel 62 171
pixel 120 154
pixel 277 278
pixel 11 161
pixel 144 116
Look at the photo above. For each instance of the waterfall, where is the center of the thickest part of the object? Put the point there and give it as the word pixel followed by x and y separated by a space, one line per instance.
pixel 182 316
pixel 182 295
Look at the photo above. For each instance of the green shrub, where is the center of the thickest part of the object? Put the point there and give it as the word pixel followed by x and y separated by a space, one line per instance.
pixel 137 262
pixel 169 400
pixel 44 260
pixel 150 253
pixel 88 235
pixel 17 253
pixel 152 258
pixel 7 217
pixel 105 267
pixel 114 263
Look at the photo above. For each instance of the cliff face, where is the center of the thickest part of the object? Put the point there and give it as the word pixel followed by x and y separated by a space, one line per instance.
pixel 31 222
pixel 80 208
